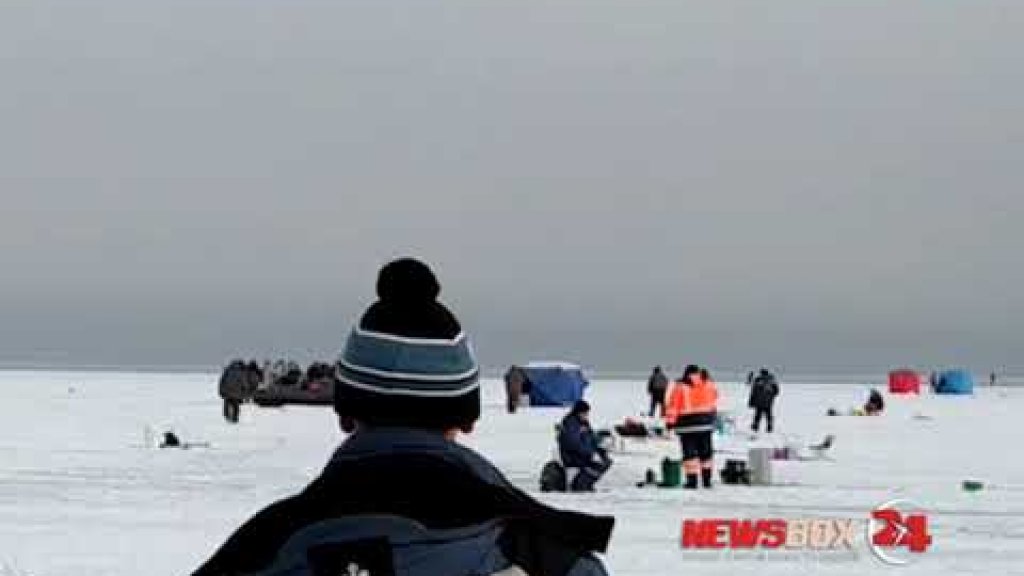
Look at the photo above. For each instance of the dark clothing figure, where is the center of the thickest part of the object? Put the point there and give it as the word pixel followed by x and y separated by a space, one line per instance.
pixel 171 440
pixel 763 390
pixel 580 447
pixel 515 383
pixel 698 446
pixel 234 382
pixel 399 473
pixel 875 403
pixel 232 410
pixel 769 419
pixel 657 384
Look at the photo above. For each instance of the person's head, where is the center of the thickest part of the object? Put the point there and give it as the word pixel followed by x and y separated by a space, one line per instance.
pixel 657 369
pixel 581 409
pixel 691 373
pixel 705 375
pixel 407 363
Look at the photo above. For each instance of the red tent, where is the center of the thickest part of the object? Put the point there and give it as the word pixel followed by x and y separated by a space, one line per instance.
pixel 904 381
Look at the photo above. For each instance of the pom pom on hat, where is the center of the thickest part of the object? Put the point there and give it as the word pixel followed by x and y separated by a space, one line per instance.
pixel 407 280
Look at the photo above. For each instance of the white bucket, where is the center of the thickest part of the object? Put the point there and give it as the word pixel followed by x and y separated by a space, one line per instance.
pixel 760 464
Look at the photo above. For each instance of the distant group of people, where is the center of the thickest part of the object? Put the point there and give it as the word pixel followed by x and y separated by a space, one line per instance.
pixel 246 377
pixel 764 388
pixel 249 376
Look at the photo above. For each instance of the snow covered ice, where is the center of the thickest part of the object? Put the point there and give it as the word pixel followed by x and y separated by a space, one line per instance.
pixel 83 491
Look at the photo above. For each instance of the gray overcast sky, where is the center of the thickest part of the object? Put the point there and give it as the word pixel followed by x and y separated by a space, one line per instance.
pixel 811 185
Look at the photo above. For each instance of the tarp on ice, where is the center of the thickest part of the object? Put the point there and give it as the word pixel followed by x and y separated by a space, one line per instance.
pixel 904 381
pixel 555 383
pixel 955 382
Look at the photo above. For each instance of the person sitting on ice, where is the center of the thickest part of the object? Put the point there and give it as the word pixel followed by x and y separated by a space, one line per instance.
pixel 580 447
pixel 170 440
pixel 875 403
pixel 400 495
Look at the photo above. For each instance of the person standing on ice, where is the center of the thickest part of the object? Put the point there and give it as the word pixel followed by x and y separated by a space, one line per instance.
pixel 763 391
pixel 400 495
pixel 657 384
pixel 515 380
pixel 691 406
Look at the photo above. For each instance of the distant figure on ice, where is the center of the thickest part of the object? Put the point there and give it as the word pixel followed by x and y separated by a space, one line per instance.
pixel 400 495
pixel 691 405
pixel 763 390
pixel 580 447
pixel 170 440
pixel 657 384
pixel 875 403
pixel 515 387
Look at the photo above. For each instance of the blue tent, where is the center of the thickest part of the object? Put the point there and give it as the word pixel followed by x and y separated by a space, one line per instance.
pixel 555 384
pixel 955 382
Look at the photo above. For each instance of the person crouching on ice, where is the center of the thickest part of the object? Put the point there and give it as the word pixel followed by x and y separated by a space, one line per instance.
pixel 690 409
pixel 580 448
pixel 400 495
pixel 875 403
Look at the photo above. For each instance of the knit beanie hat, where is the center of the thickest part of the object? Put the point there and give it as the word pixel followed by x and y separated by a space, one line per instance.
pixel 408 363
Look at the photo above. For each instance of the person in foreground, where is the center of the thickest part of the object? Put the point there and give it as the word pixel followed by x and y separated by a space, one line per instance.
pixel 400 496
pixel 580 448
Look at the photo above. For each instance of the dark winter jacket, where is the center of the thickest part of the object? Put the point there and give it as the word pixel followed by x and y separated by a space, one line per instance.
pixel 763 391
pixel 577 442
pixel 234 382
pixel 875 402
pixel 515 379
pixel 409 502
pixel 657 384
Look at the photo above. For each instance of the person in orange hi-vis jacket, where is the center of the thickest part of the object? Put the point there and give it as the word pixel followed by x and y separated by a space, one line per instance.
pixel 690 409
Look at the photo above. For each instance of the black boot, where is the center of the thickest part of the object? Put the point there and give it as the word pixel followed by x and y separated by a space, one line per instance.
pixel 705 476
pixel 691 482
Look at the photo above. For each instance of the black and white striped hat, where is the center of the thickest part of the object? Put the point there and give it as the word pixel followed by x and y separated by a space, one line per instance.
pixel 408 362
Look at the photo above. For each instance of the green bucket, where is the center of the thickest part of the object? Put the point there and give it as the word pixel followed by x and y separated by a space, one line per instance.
pixel 670 473
pixel 973 485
